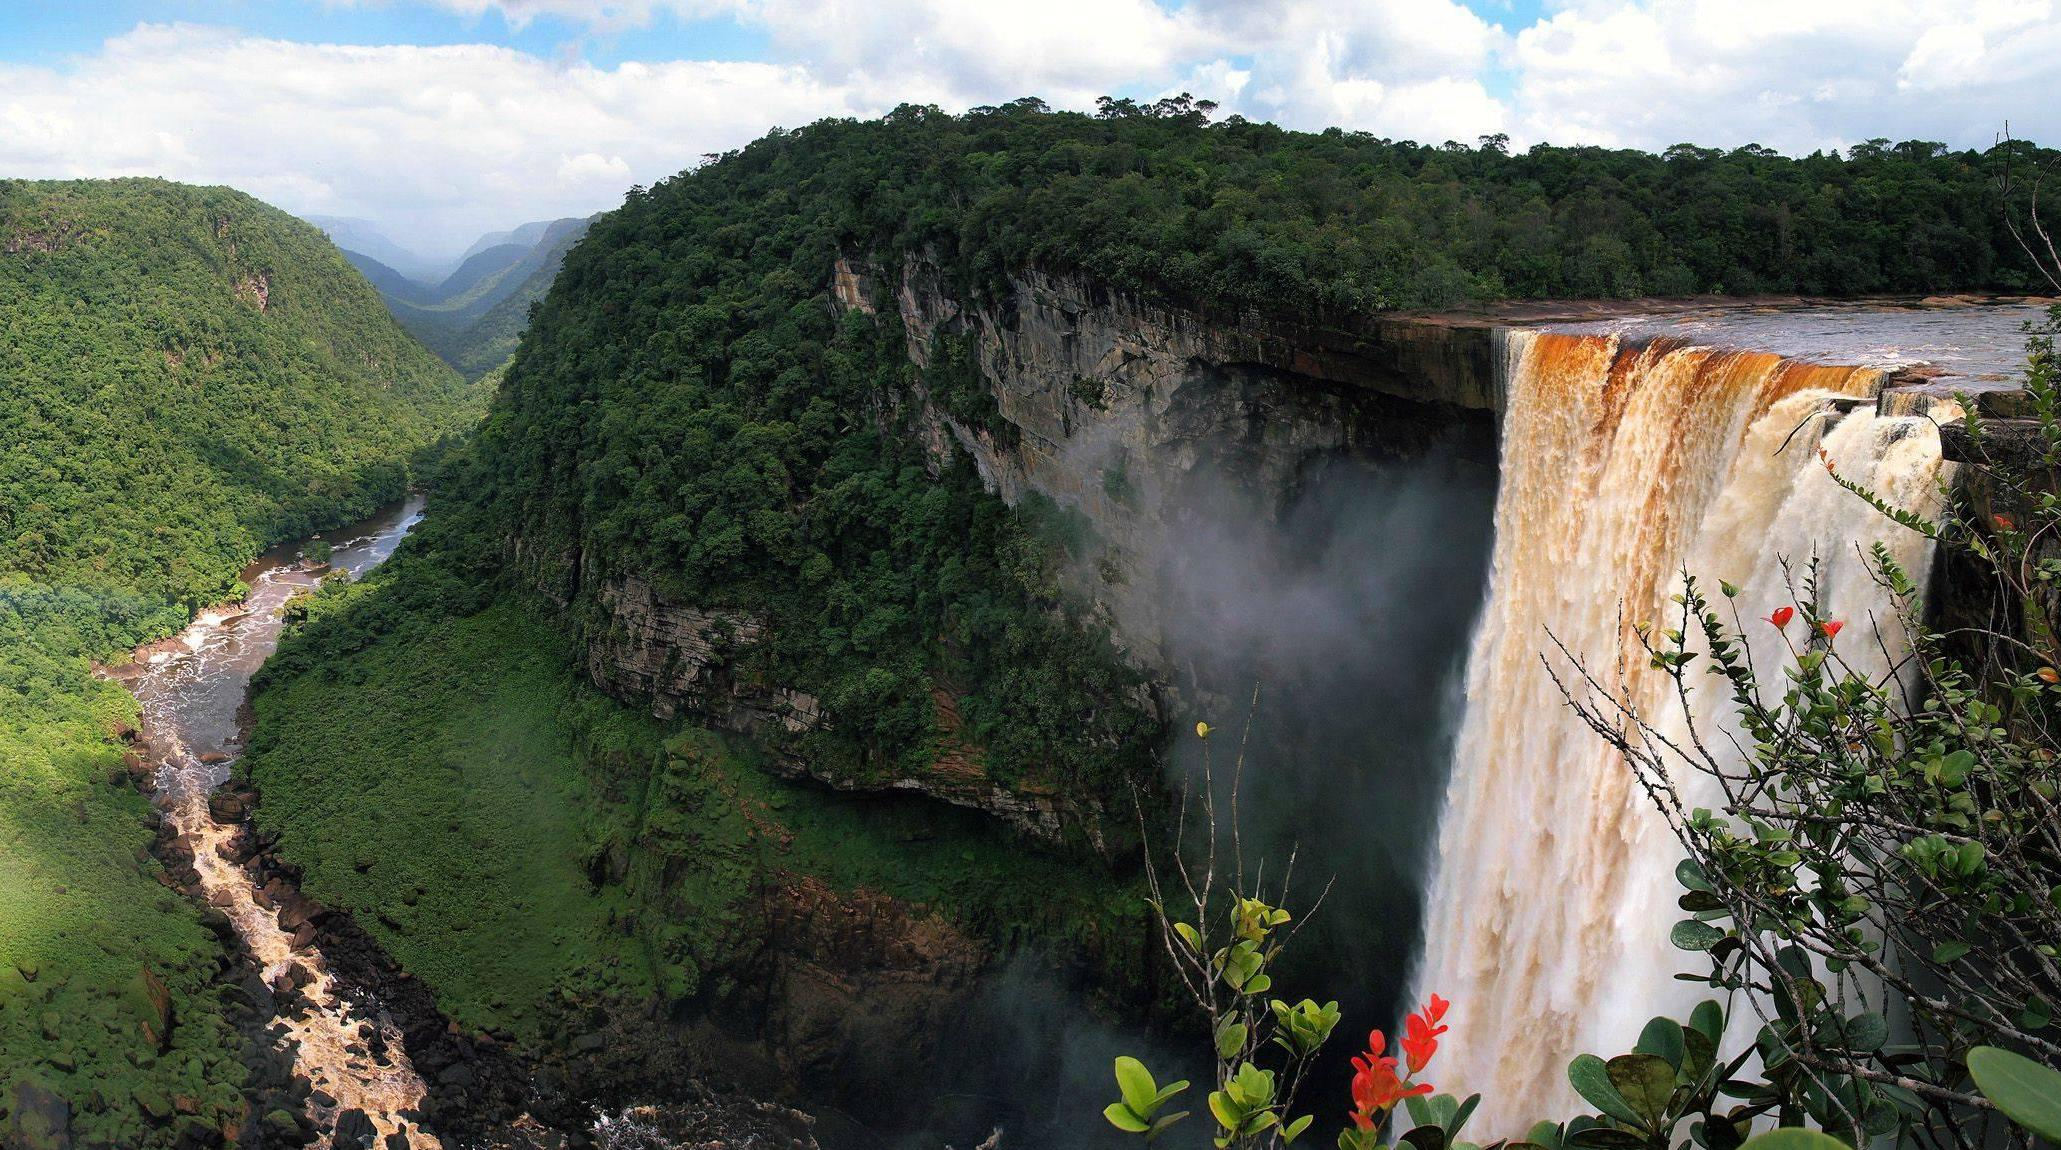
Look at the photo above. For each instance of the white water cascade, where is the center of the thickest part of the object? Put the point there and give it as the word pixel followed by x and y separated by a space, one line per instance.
pixel 1547 918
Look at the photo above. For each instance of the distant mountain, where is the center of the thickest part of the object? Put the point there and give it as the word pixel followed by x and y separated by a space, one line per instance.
pixel 388 280
pixel 363 237
pixel 472 316
pixel 528 235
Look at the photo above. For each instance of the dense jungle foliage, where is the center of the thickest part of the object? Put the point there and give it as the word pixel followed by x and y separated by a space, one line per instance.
pixel 1155 199
pixel 186 376
pixel 691 409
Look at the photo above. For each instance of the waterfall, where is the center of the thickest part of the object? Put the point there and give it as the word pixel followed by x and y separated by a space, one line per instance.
pixel 1548 914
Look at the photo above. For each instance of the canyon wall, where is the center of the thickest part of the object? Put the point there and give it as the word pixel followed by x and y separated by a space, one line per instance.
pixel 1123 413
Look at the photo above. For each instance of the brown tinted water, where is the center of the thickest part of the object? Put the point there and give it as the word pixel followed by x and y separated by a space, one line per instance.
pixel 191 688
pixel 1966 344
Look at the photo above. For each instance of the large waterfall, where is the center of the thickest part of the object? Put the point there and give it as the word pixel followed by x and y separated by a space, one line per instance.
pixel 1622 464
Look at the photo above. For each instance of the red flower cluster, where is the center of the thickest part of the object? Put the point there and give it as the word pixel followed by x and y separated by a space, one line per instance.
pixel 1829 628
pixel 1376 1086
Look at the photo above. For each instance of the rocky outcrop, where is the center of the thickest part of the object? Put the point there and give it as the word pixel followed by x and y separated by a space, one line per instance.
pixel 677 656
pixel 1128 411
pixel 1119 410
pixel 862 985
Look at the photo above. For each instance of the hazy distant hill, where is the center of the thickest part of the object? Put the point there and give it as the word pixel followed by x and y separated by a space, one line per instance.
pixel 366 238
pixel 473 315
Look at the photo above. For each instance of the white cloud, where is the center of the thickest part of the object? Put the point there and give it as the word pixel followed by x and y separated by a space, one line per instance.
pixel 441 143
pixel 1792 76
pixel 437 143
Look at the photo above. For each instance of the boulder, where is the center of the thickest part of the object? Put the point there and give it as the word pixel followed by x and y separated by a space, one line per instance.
pixel 38 1119
pixel 354 1131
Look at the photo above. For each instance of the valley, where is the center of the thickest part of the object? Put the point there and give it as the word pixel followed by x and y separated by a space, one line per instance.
pixel 797 621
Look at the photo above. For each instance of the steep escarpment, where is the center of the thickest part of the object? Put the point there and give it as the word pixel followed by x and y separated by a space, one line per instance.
pixel 188 376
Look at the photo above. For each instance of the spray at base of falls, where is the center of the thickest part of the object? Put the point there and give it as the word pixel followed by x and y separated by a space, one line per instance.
pixel 1622 465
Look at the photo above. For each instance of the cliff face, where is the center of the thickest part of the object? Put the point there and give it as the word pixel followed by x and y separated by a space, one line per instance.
pixel 1114 408
pixel 1121 410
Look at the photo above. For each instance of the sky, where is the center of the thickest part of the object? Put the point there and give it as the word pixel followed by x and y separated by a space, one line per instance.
pixel 439 120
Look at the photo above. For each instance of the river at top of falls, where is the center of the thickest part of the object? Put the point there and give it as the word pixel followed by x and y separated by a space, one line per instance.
pixel 1625 460
pixel 191 688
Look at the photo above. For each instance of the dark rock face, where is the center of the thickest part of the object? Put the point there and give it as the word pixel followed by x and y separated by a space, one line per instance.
pixel 1110 406
pixel 38 1119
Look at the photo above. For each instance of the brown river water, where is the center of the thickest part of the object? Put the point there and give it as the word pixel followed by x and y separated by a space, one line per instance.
pixel 191 688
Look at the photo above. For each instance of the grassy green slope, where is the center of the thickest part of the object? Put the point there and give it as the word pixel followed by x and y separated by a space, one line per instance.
pixel 157 428
pixel 453 781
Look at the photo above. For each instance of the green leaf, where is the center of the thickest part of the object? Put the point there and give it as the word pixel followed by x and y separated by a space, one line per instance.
pixel 1865 1033
pixel 1689 873
pixel 1293 1130
pixel 1228 1114
pixel 1947 952
pixel 1120 1116
pixel 1794 1138
pixel 1663 1036
pixel 1230 1037
pixel 1647 1084
pixel 1420 1110
pixel 1606 1138
pixel 1425 1138
pixel 1590 1077
pixel 1461 1115
pixel 1709 1018
pixel 1543 1134
pixel 1140 1092
pixel 1689 934
pixel 2027 1092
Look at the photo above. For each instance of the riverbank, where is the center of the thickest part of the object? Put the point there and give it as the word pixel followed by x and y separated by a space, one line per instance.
pixel 351 1078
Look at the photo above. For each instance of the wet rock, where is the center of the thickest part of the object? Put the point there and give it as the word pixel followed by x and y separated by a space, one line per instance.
pixel 457 1076
pixel 282 1127
pixel 354 1131
pixel 194 1134
pixel 226 807
pixel 304 936
pixel 38 1119
pixel 213 758
pixel 396 1141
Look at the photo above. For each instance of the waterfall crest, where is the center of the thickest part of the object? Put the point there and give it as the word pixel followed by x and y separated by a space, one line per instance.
pixel 1548 914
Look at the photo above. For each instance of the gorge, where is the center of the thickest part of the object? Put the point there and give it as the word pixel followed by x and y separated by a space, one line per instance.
pixel 777 706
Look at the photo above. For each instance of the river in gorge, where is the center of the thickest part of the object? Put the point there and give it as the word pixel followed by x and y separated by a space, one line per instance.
pixel 191 688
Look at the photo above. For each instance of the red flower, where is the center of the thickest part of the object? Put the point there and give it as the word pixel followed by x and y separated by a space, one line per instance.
pixel 2004 523
pixel 1376 1089
pixel 1421 1031
pixel 1782 616
pixel 1830 628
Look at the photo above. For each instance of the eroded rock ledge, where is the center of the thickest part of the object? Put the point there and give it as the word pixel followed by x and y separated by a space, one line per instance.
pixel 1115 408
